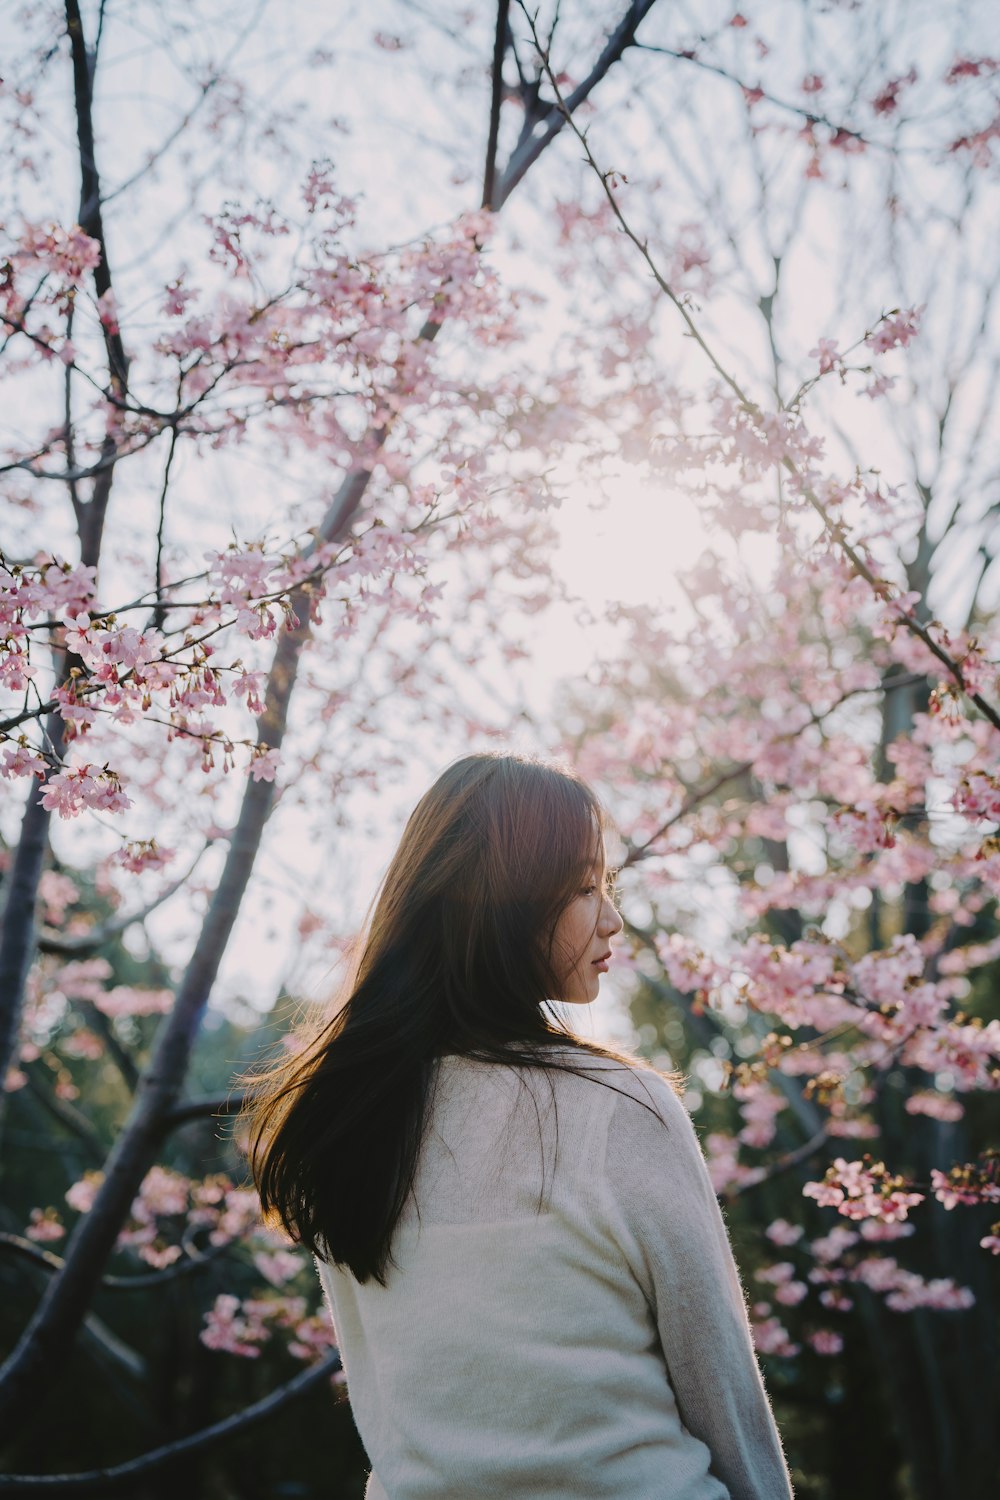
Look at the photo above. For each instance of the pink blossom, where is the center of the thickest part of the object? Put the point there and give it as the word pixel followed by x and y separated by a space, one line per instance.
pixel 15 671
pixel 759 1106
pixel 240 1213
pixel 828 354
pixel 783 981
pixel 951 1192
pixel 970 1052
pixel 906 1290
pixel 138 855
pixel 160 1256
pixel 936 1106
pixel 886 975
pixel 264 764
pixel 68 253
pixel 866 827
pixel 162 1192
pixel 977 796
pixel 85 1044
pixel 226 1330
pixel 862 1192
pixel 82 1194
pixel 81 979
pixel 724 1168
pixel 791 1293
pixel 878 385
pixel 107 311
pixel 21 761
pixel 124 1000
pixel 68 792
pixel 279 1266
pixel 250 685
pixel 887 100
pixel 825 1341
pixel 687 967
pixel 896 611
pixel 44 1225
pixel 881 1230
pixel 771 1337
pixel 57 892
pixel 776 1275
pixel 895 330
pixel 971 67
pixel 783 1233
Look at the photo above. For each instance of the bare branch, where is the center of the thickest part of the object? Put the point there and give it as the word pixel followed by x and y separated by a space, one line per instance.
pixel 88 942
pixel 810 116
pixel 499 51
pixel 121 1476
pixel 204 91
pixel 779 1166
pixel 107 1343
pixel 90 183
pixel 530 148
pixel 71 1119
pixel 17 928
pixel 206 1108
pixel 192 1261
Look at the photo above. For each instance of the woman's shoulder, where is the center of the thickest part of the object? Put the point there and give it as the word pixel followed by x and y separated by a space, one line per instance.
pixel 576 1066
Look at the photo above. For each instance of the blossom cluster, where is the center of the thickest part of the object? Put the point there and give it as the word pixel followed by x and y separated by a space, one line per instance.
pixel 347 321
pixel 833 1270
pixel 863 1190
pixel 244 1326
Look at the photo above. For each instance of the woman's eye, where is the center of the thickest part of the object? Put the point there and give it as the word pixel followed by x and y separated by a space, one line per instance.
pixel 589 890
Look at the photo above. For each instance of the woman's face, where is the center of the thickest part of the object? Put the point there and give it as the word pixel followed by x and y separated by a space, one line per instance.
pixel 581 944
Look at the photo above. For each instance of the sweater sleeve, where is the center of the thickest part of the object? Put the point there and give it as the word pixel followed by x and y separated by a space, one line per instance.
pixel 677 1242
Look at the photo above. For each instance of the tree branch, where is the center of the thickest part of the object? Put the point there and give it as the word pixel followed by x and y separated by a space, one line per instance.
pixel 496 98
pixel 810 116
pixel 90 183
pixel 88 942
pixel 17 930
pixel 205 1108
pixel 104 1481
pixel 49 1261
pixel 779 1166
pixel 71 1119
pixel 531 147
pixel 108 1344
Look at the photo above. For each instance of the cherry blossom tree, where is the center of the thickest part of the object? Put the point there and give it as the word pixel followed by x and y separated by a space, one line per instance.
pixel 302 339
pixel 813 740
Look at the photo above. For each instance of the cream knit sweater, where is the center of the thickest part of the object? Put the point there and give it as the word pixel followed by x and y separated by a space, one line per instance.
pixel 599 1349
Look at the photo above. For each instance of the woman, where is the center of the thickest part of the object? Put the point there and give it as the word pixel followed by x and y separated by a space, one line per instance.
pixel 588 1341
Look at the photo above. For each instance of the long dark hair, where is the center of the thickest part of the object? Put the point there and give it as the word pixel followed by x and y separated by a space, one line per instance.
pixel 456 958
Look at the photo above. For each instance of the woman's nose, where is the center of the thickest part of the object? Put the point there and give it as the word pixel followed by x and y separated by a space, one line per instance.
pixel 612 919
